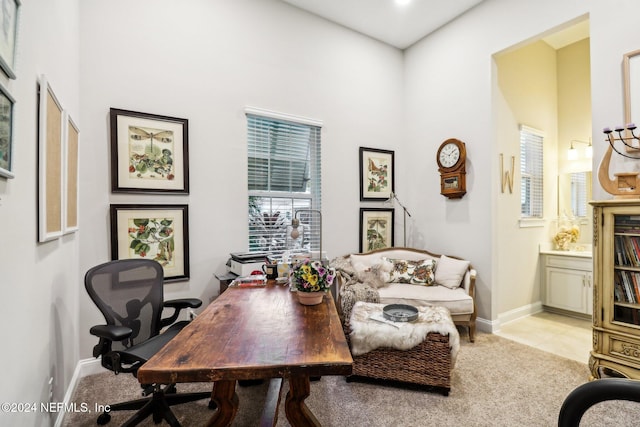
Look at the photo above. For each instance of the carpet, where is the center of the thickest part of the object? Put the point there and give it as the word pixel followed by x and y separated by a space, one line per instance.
pixel 495 382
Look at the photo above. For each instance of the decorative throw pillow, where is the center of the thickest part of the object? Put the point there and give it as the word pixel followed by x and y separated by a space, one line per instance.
pixel 377 276
pixel 450 271
pixel 415 272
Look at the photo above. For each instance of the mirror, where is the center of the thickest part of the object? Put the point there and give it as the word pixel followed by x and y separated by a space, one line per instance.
pixel 574 194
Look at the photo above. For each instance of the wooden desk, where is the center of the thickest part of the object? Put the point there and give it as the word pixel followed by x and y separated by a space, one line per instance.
pixel 255 333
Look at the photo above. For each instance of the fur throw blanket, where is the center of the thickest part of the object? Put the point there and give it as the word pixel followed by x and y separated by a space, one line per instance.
pixel 367 334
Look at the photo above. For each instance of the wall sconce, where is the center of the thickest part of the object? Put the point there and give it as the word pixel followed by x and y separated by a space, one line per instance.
pixel 572 154
pixel 296 228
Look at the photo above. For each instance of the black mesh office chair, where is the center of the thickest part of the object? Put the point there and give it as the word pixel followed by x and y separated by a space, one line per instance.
pixel 586 395
pixel 129 293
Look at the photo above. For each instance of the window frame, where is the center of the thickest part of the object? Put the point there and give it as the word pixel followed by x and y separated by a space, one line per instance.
pixel 531 173
pixel 276 200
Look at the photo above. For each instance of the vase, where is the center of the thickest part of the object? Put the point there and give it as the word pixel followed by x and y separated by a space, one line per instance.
pixel 310 298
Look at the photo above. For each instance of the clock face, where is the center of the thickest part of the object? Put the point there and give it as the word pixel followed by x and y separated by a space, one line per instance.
pixel 449 155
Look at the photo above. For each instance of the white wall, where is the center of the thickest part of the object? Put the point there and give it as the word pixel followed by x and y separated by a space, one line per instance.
pixel 450 87
pixel 39 284
pixel 206 62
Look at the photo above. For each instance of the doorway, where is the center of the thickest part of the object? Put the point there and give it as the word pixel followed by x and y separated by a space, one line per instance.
pixel 543 84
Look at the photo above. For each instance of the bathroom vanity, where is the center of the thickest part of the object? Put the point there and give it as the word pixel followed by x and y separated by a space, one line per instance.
pixel 567 280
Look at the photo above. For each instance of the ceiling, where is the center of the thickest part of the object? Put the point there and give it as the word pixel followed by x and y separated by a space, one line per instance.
pixel 386 20
pixel 403 25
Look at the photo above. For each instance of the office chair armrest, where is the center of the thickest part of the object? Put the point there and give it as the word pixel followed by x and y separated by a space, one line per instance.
pixel 183 303
pixel 111 332
pixel 177 305
pixel 108 334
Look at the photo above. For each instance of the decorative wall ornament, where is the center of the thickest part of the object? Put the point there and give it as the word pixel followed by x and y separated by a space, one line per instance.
pixel 625 185
pixel 149 153
pixel 631 75
pixel 506 177
pixel 6 133
pixel 157 232
pixel 376 228
pixel 71 177
pixel 9 13
pixel 376 174
pixel 50 164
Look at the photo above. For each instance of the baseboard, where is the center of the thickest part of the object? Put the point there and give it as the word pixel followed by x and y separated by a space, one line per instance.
pixel 85 367
pixel 486 325
pixel 519 313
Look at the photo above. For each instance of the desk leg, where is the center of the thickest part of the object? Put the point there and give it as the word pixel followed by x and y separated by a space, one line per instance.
pixel 297 412
pixel 224 394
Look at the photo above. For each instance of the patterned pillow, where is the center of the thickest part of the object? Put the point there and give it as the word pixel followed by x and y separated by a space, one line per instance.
pixel 420 272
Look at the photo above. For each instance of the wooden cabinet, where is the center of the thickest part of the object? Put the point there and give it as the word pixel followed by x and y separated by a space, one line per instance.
pixel 616 319
pixel 568 283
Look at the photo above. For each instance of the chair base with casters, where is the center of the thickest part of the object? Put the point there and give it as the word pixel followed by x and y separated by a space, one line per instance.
pixel 129 293
pixel 158 405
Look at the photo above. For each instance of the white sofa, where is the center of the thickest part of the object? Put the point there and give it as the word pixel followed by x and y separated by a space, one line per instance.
pixel 424 279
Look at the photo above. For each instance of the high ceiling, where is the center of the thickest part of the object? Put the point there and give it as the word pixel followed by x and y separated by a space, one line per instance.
pixel 399 25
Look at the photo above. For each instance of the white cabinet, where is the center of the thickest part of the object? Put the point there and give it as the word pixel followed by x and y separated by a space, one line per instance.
pixel 568 283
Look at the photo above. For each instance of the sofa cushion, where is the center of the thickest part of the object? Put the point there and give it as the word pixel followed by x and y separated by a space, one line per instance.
pixel 409 271
pixel 456 300
pixel 450 271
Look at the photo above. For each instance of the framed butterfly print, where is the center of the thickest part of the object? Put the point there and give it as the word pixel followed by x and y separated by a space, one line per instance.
pixel 149 153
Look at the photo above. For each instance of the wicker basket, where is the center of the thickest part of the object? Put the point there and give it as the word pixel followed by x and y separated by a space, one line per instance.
pixel 429 364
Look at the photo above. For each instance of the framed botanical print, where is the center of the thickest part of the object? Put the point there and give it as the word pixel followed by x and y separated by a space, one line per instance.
pixel 157 232
pixel 149 153
pixel 376 228
pixel 6 133
pixel 8 30
pixel 376 174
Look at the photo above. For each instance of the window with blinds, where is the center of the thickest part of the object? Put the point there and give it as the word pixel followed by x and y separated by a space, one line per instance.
pixel 283 182
pixel 579 193
pixel 531 173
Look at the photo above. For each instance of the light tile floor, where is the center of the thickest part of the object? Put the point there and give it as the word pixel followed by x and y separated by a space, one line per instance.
pixel 562 335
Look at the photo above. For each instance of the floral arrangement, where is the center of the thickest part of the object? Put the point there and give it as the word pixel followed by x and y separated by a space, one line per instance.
pixel 566 235
pixel 312 276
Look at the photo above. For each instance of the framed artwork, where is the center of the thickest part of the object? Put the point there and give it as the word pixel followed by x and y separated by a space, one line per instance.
pixel 6 133
pixel 149 153
pixel 8 32
pixel 631 73
pixel 71 174
pixel 376 228
pixel 50 163
pixel 376 174
pixel 157 232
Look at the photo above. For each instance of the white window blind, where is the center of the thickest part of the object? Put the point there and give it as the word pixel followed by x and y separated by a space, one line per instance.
pixel 579 194
pixel 283 177
pixel 531 172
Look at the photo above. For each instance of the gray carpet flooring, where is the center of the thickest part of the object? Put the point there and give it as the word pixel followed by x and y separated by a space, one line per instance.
pixel 495 382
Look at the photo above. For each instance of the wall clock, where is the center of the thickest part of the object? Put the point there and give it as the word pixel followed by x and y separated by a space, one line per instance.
pixel 451 158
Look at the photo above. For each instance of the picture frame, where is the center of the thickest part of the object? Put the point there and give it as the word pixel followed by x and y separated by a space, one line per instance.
pixel 9 13
pixel 149 153
pixel 71 176
pixel 7 103
pixel 50 163
pixel 631 75
pixel 376 228
pixel 158 232
pixel 377 171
